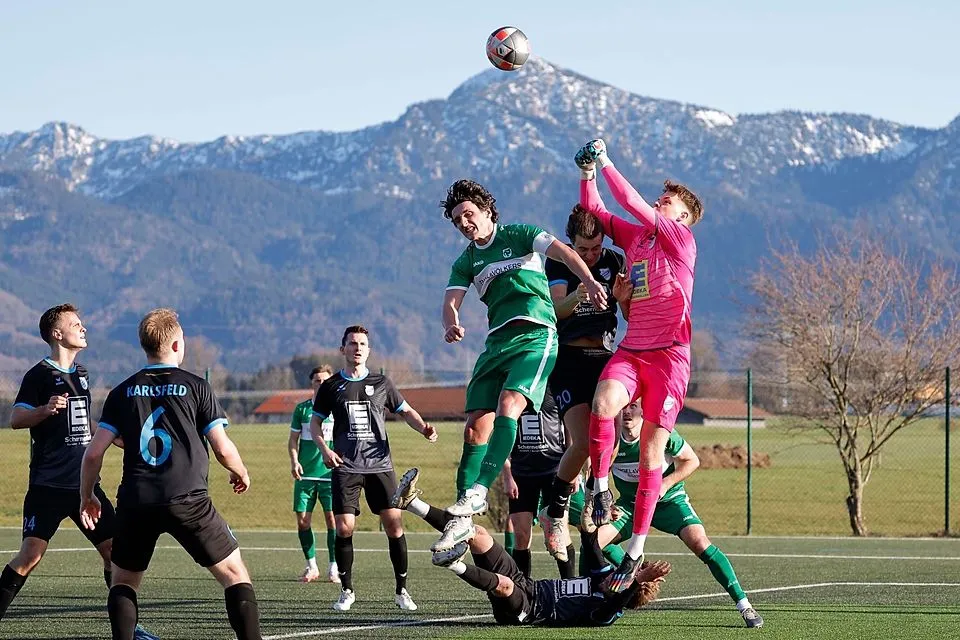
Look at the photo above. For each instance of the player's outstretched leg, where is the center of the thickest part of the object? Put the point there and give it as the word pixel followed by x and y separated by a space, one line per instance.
pixel 407 497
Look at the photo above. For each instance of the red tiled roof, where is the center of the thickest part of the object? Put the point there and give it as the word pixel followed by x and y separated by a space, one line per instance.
pixel 721 408
pixel 283 402
pixel 431 402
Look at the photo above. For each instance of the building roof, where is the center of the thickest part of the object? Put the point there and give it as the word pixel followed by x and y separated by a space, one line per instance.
pixel 430 401
pixel 283 402
pixel 721 408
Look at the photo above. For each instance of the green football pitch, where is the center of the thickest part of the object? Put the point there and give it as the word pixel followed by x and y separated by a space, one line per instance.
pixel 804 587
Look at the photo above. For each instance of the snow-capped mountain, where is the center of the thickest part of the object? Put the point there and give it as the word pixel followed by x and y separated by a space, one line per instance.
pixel 255 238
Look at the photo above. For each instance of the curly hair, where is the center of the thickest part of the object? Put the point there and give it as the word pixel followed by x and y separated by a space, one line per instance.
pixel 469 191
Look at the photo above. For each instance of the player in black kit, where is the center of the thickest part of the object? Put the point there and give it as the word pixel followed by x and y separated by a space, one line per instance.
pixel 357 399
pixel 527 478
pixel 518 600
pixel 54 404
pixel 585 335
pixel 165 417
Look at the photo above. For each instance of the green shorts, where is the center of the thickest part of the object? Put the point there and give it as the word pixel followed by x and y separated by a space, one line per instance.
pixel 671 516
pixel 307 492
pixel 519 358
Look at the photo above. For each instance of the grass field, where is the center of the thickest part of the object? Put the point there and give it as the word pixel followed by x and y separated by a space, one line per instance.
pixel 801 493
pixel 840 588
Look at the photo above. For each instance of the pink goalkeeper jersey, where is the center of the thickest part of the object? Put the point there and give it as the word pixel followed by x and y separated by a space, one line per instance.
pixel 660 254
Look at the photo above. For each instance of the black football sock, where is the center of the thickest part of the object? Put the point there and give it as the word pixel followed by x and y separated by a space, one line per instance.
pixel 480 578
pixel 592 554
pixel 243 611
pixel 108 577
pixel 10 584
pixel 560 492
pixel 122 608
pixel 522 558
pixel 437 518
pixel 568 569
pixel 398 557
pixel 343 551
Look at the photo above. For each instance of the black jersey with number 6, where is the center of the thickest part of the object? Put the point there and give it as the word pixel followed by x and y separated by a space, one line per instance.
pixel 58 442
pixel 359 430
pixel 162 413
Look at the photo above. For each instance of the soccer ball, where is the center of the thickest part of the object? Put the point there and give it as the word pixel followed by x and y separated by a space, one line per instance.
pixel 508 48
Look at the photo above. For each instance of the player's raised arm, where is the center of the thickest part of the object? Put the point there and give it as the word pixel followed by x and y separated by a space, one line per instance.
pixel 623 192
pixel 229 457
pixel 417 423
pixel 595 291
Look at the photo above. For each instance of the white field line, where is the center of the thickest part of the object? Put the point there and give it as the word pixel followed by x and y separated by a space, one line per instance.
pixel 414 623
pixel 373 627
pixel 815 585
pixel 784 556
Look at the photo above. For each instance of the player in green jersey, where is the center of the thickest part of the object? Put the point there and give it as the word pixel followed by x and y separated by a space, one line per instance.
pixel 674 513
pixel 506 265
pixel 311 481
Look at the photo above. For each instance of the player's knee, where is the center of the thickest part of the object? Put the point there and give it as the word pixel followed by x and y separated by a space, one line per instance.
pixel 29 557
pixel 504 588
pixel 344 529
pixel 303 521
pixel 606 404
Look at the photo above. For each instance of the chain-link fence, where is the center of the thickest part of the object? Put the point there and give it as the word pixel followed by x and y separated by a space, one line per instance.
pixel 793 482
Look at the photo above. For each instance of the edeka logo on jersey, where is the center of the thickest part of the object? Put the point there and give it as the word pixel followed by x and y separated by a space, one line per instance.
pixel 640 277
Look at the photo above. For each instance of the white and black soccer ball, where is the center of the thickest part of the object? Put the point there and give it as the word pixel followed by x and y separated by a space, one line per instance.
pixel 508 48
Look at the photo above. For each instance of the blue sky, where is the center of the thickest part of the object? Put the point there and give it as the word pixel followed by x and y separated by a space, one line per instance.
pixel 198 70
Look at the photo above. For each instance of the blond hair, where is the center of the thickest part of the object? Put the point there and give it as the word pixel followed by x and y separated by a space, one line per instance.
pixel 157 330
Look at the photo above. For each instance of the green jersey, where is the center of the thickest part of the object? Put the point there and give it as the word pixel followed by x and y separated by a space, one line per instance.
pixel 626 467
pixel 309 452
pixel 508 273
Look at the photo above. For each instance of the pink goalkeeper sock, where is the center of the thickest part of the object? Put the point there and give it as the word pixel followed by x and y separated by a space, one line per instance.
pixel 648 493
pixel 602 438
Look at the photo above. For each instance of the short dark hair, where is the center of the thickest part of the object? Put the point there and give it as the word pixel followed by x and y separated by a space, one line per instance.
pixel 355 328
pixel 324 368
pixel 51 317
pixel 583 223
pixel 688 198
pixel 468 190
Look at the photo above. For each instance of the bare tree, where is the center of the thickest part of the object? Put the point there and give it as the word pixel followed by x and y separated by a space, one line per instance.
pixel 862 336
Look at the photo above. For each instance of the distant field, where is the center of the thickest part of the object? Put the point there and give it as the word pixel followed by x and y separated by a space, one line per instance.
pixel 801 493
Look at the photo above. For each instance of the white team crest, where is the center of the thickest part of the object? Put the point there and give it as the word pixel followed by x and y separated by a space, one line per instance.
pixel 605 273
pixel 669 402
pixel 83 382
pixel 368 389
pixel 507 252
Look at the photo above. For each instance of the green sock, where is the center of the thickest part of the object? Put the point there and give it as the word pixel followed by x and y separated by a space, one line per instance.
pixel 331 540
pixel 509 541
pixel 469 466
pixel 722 570
pixel 307 543
pixel 501 444
pixel 614 553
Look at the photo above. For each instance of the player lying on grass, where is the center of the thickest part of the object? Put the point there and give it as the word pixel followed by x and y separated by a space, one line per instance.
pixel 518 600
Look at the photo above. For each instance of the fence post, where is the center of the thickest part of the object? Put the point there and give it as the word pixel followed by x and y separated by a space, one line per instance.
pixel 749 450
pixel 946 454
pixel 206 374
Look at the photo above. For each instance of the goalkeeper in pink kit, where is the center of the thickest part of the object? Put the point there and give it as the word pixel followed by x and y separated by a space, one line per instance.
pixel 652 363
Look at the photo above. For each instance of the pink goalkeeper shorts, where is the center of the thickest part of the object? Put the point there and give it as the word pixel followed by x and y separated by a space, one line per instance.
pixel 658 378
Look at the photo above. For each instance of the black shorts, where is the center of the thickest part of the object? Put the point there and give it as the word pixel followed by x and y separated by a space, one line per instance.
pixel 377 487
pixel 44 508
pixel 576 374
pixel 196 525
pixel 518 607
pixel 533 491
